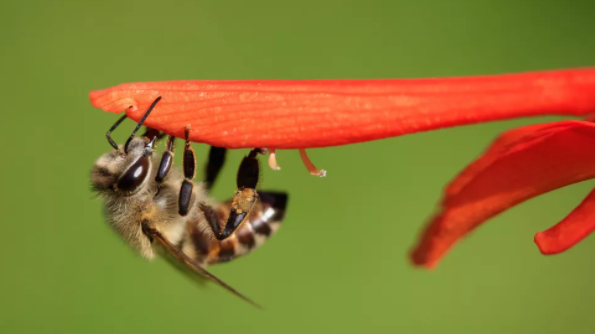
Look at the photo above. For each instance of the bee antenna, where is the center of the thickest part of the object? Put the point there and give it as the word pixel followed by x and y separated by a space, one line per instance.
pixel 140 123
pixel 109 132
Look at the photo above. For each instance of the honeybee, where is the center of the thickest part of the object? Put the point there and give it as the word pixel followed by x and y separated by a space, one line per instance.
pixel 159 209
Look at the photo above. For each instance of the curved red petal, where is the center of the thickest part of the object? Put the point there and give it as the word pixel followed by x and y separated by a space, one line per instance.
pixel 521 164
pixel 571 230
pixel 509 141
pixel 319 113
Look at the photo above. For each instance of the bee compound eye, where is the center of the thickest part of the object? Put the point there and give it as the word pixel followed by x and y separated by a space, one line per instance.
pixel 135 175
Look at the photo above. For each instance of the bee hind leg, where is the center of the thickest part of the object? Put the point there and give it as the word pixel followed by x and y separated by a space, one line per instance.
pixel 264 221
pixel 244 198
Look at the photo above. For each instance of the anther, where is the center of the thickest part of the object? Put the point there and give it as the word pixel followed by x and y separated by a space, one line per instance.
pixel 273 160
pixel 310 166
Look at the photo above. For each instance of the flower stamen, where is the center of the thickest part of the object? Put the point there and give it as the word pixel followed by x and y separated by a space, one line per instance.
pixel 273 160
pixel 310 166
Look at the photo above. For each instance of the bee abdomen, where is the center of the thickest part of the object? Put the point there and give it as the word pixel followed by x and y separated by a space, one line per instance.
pixel 264 220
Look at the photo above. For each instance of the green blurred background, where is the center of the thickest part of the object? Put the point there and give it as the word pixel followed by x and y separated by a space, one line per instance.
pixel 340 263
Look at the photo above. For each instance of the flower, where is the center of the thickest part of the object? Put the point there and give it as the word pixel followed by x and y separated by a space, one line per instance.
pixel 285 114
pixel 301 114
pixel 520 164
pixel 294 114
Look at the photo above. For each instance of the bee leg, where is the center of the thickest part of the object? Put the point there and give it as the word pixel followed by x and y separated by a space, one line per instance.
pixel 245 197
pixel 211 171
pixel 167 159
pixel 214 165
pixel 264 221
pixel 212 218
pixel 153 133
pixel 189 163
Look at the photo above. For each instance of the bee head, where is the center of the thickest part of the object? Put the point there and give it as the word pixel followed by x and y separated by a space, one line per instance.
pixel 124 172
pixel 125 169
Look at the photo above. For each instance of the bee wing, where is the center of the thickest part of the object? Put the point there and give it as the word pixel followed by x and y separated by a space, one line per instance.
pixel 181 260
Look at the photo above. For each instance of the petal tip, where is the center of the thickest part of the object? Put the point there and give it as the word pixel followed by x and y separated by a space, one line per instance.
pixel 546 244
pixel 94 96
pixel 109 101
pixel 420 259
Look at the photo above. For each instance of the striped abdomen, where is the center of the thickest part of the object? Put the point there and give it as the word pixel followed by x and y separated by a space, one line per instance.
pixel 264 220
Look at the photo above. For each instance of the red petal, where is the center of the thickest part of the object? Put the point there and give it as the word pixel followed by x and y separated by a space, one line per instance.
pixel 567 233
pixel 519 165
pixel 318 113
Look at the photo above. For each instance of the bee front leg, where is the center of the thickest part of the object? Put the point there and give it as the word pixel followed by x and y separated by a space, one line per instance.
pixel 167 160
pixel 153 134
pixel 189 172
